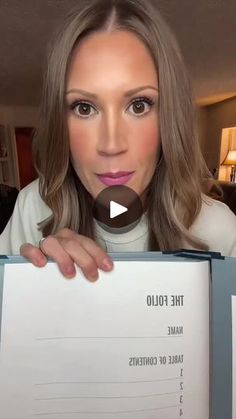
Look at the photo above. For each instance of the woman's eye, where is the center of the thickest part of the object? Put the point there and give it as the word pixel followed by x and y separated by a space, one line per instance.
pixel 83 109
pixel 141 106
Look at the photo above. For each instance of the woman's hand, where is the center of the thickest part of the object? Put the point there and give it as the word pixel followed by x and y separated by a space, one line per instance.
pixel 68 248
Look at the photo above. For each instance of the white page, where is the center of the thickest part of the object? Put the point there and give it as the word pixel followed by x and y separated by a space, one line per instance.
pixel 75 349
pixel 233 304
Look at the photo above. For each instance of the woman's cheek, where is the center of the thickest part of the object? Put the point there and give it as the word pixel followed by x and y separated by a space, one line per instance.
pixel 148 142
pixel 79 143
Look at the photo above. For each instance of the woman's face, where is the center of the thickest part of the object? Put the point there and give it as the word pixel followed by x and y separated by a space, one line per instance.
pixel 112 99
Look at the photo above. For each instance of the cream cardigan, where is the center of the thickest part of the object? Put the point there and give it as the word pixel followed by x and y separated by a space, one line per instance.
pixel 215 225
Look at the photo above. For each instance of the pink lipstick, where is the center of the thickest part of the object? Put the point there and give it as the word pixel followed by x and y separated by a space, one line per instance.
pixel 115 178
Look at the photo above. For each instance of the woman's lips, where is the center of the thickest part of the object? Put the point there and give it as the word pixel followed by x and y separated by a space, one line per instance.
pixel 118 178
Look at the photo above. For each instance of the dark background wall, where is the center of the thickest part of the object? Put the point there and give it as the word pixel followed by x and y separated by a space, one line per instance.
pixel 213 119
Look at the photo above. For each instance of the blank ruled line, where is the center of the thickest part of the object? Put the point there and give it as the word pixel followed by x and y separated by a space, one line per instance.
pixel 109 397
pixel 109 337
pixel 109 382
pixel 82 412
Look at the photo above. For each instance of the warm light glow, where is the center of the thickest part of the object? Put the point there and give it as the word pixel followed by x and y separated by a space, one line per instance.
pixel 230 158
pixel 228 145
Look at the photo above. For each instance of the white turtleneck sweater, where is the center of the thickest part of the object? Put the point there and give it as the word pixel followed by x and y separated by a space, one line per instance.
pixel 215 225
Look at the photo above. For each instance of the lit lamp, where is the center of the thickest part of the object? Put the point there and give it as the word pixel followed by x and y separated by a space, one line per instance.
pixel 230 160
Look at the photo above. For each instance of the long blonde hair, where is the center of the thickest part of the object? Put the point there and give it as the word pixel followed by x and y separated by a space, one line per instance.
pixel 175 191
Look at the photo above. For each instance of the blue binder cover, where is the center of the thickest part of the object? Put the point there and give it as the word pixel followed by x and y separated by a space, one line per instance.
pixel 223 287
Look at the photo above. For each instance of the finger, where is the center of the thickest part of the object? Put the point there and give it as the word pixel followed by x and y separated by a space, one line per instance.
pixel 54 249
pixel 102 259
pixel 80 256
pixel 33 254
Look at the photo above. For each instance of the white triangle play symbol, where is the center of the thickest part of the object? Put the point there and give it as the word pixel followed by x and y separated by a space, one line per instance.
pixel 116 209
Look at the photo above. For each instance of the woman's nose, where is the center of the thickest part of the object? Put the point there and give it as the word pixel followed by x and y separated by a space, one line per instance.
pixel 112 136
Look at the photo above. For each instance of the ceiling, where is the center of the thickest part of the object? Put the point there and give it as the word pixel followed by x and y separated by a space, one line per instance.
pixel 206 30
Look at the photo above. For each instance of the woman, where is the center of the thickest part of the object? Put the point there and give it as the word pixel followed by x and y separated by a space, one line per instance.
pixel 116 98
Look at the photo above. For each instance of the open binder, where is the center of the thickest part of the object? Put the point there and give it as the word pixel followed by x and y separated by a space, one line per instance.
pixel 146 392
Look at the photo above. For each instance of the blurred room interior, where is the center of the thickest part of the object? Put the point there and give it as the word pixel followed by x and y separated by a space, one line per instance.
pixel 206 31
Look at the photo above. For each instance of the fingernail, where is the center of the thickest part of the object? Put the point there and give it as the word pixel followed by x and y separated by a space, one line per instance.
pixel 41 261
pixel 70 272
pixel 93 276
pixel 107 263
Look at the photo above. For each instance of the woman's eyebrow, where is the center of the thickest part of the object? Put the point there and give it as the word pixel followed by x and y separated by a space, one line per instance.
pixel 139 89
pixel 127 94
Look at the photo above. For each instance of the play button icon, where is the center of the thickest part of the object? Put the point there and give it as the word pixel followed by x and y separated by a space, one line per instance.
pixel 117 206
pixel 116 209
